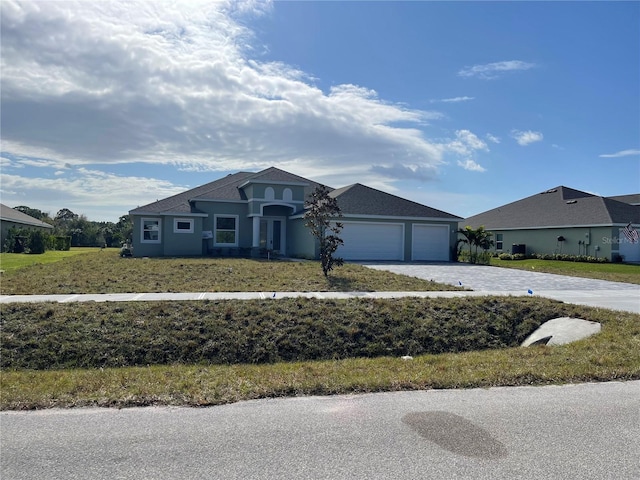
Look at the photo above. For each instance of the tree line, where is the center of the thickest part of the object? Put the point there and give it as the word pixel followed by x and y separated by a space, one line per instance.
pixel 69 230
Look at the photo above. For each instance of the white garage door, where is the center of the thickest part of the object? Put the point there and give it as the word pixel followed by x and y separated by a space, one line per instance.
pixel 430 243
pixel 372 241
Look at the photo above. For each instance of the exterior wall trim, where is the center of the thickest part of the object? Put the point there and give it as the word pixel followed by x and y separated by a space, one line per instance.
pixel 389 217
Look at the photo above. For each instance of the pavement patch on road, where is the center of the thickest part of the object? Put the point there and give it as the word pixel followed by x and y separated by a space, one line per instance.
pixel 455 434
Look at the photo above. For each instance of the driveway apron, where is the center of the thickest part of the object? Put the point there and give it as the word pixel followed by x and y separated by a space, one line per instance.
pixel 483 278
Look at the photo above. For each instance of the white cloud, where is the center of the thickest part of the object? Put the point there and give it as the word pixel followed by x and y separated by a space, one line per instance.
pixel 471 165
pixel 90 192
pixel 621 153
pixel 526 137
pixel 454 99
pixel 492 138
pixel 466 143
pixel 490 71
pixel 5 162
pixel 91 83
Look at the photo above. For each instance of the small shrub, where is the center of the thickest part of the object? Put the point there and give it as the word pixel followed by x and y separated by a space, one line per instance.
pixel 62 244
pixel 37 242
pixel 563 257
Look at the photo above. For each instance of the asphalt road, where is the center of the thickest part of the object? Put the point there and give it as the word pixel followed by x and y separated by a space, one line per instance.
pixel 588 431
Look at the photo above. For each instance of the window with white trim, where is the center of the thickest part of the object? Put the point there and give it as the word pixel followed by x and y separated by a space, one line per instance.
pixel 183 225
pixel 226 230
pixel 287 195
pixel 150 230
pixel 498 241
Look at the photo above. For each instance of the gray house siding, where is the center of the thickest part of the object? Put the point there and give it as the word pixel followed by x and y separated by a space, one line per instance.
pixel 143 248
pixel 247 214
pixel 183 243
pixel 593 241
pixel 587 224
pixel 300 242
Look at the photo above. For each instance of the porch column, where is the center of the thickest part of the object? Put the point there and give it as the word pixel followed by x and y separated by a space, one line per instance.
pixel 256 232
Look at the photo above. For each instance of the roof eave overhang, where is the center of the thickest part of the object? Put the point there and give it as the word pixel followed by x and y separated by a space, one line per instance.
pixel 169 213
pixel 544 227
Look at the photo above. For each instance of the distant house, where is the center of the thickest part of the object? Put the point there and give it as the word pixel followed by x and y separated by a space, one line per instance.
pixel 250 213
pixel 564 220
pixel 11 218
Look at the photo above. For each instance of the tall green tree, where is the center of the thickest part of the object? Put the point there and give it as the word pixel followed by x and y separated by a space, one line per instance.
pixel 124 229
pixel 321 214
pixel 35 213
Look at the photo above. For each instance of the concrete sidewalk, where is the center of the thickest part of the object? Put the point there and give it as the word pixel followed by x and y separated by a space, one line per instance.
pixel 483 280
pixel 624 300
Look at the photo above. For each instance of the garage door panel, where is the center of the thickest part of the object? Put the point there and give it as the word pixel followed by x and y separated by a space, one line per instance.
pixel 372 241
pixel 430 243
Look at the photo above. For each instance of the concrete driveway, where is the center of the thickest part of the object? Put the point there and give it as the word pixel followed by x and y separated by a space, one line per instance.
pixel 482 278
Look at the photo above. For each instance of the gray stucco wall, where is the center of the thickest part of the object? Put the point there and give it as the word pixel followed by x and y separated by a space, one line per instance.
pixel 182 244
pixel 593 241
pixel 300 242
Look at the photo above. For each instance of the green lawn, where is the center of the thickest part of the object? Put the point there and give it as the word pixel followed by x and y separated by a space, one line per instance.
pixel 614 272
pixel 10 262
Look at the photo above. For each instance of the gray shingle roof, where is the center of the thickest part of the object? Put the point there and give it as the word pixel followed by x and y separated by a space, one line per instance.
pixel 557 207
pixel 358 199
pixel 354 199
pixel 632 199
pixel 223 189
pixel 11 215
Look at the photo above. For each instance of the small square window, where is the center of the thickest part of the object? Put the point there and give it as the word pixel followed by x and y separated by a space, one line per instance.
pixel 183 225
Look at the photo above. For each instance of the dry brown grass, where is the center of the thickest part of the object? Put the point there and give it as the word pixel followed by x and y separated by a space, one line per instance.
pixel 105 272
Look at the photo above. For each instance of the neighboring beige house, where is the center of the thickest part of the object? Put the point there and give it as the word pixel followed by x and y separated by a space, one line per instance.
pixel 566 221
pixel 10 218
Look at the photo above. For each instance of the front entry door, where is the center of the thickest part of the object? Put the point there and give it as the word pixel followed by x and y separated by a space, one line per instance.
pixel 272 234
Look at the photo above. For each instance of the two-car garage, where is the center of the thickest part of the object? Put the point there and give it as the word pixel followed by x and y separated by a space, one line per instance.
pixel 386 241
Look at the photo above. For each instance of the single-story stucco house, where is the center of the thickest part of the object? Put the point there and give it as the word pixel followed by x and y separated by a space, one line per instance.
pixel 566 221
pixel 249 213
pixel 11 218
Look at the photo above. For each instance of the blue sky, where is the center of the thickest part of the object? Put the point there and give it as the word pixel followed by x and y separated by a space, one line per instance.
pixel 462 106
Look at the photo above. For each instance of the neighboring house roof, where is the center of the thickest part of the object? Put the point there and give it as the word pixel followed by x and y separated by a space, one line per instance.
pixel 358 199
pixel 557 207
pixel 8 214
pixel 632 199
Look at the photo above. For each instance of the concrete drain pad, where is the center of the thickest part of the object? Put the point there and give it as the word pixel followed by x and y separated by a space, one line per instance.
pixel 559 331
